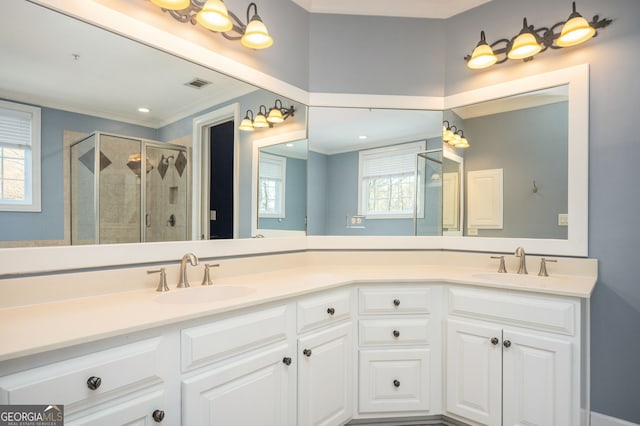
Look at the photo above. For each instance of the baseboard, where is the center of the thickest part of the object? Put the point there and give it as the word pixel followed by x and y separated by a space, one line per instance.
pixel 598 419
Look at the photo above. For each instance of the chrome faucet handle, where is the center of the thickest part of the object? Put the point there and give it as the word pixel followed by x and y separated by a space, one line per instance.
pixel 206 280
pixel 543 266
pixel 522 266
pixel 162 284
pixel 502 268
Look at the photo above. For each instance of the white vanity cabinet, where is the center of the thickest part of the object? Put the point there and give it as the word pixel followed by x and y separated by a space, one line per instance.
pixel 240 370
pixel 325 358
pixel 512 358
pixel 399 351
pixel 117 386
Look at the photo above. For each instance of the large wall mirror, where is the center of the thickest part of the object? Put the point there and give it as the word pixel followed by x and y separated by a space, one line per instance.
pixel 119 184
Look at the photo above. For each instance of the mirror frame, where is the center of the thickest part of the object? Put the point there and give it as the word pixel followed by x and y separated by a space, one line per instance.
pixel 21 260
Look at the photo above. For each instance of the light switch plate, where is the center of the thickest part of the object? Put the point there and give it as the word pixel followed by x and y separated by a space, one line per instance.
pixel 563 219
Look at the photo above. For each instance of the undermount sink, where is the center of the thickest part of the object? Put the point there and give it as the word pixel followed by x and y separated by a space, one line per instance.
pixel 203 294
pixel 515 278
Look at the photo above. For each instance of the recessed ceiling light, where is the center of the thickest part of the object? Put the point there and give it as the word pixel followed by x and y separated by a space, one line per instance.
pixel 143 109
pixel 289 145
pixel 362 137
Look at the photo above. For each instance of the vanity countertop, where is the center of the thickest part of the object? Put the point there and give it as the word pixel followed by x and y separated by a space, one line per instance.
pixel 32 329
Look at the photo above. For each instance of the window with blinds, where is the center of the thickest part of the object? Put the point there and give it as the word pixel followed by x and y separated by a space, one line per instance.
pixel 19 157
pixel 272 172
pixel 387 186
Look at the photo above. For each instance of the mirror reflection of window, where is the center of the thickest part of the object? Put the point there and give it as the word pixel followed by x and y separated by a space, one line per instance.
pixel 387 184
pixel 272 181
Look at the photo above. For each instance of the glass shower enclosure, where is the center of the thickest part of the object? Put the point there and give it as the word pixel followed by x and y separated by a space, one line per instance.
pixel 128 190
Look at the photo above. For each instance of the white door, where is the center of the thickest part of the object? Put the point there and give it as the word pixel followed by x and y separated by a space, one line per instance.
pixel 537 380
pixel 254 390
pixel 325 376
pixel 474 371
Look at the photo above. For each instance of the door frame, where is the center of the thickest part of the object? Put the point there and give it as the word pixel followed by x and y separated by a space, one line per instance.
pixel 201 171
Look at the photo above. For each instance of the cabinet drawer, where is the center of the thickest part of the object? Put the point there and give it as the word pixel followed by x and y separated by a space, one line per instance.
pixel 394 381
pixel 323 309
pixel 135 411
pixel 401 300
pixel 121 370
pixel 532 311
pixel 394 331
pixel 221 339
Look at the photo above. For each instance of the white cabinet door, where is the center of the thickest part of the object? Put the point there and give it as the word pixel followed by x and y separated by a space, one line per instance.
pixel 138 411
pixel 325 376
pixel 474 371
pixel 537 380
pixel 254 390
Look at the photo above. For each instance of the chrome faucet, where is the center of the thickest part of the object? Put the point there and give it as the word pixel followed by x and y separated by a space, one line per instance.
pixel 522 267
pixel 193 260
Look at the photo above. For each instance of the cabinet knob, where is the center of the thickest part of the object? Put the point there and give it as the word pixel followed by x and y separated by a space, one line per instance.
pixel 286 360
pixel 396 383
pixel 94 382
pixel 306 352
pixel 396 333
pixel 331 311
pixel 396 302
pixel 494 341
pixel 158 416
pixel 507 343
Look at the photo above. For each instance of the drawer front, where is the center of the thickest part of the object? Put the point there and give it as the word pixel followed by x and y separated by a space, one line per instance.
pixel 394 381
pixel 532 311
pixel 400 300
pixel 323 309
pixel 394 331
pixel 121 370
pixel 204 344
pixel 133 412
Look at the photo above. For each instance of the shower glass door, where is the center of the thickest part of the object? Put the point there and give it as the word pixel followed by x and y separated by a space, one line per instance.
pixel 166 215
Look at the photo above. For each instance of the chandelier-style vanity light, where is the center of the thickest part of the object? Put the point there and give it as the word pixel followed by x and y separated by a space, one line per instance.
pixel 531 41
pixel 213 15
pixel 453 136
pixel 276 115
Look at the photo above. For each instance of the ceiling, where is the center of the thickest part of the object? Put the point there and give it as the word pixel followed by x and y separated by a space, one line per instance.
pixel 437 9
pixel 59 62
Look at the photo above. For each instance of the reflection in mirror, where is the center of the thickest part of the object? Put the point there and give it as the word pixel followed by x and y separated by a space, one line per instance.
pixel 523 139
pixel 97 81
pixel 362 168
pixel 282 189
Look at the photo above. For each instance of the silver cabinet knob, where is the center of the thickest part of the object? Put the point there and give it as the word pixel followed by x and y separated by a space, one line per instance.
pixel 396 302
pixel 507 343
pixel 396 383
pixel 306 352
pixel 158 416
pixel 396 333
pixel 94 382
pixel 286 360
pixel 331 311
pixel 494 341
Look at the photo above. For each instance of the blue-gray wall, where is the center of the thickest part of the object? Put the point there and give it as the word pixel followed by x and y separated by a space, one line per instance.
pixel 295 197
pixel 49 223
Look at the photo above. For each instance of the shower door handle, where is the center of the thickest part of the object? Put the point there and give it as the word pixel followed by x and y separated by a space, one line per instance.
pixel 146 221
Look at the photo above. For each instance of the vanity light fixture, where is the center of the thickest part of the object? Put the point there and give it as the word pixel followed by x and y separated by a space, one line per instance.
pixel 530 40
pixel 214 16
pixel 275 115
pixel 453 136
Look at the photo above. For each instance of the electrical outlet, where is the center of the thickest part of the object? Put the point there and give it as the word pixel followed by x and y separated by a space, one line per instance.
pixel 563 219
pixel 472 231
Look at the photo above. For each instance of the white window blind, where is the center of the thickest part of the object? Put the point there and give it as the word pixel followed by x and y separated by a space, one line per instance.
pixel 19 157
pixel 387 186
pixel 271 195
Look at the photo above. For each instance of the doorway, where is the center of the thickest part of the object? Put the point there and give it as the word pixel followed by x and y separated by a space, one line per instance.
pixel 216 139
pixel 221 172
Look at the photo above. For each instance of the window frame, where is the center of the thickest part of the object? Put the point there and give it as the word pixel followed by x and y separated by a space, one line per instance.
pixel 282 163
pixel 400 149
pixel 32 165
